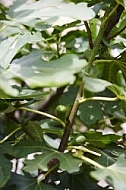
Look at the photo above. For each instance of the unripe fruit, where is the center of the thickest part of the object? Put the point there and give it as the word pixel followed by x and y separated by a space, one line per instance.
pixel 61 111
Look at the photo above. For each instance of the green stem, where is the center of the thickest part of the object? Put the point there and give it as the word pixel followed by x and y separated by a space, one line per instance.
pixel 77 154
pixel 99 38
pixel 8 136
pixel 92 162
pixel 84 149
pixel 43 114
pixel 47 173
pixel 103 61
pixel 82 100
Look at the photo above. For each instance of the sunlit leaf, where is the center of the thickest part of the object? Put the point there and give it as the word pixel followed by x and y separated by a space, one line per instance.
pixel 95 84
pixel 114 174
pixel 23 12
pixel 38 73
pixel 13 45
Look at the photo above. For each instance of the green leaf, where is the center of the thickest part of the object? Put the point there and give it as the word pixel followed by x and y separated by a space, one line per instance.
pixel 13 45
pixel 6 89
pixel 97 139
pixel 26 93
pixel 117 90
pixel 68 97
pixel 90 112
pixel 51 126
pixel 5 165
pixel 115 174
pixel 25 147
pixel 35 131
pixel 67 162
pixel 38 73
pixel 95 84
pixel 21 12
pixel 27 182
pixel 110 71
pixel 83 181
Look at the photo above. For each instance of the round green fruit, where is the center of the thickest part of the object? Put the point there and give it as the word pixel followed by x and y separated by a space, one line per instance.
pixel 61 111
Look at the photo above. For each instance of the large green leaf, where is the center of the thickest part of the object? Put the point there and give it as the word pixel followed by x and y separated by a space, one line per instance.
pixel 38 73
pixel 21 12
pixel 114 174
pixel 90 112
pixel 25 147
pixel 67 162
pixel 27 182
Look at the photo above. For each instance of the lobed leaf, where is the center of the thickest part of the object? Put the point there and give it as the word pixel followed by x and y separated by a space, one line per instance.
pixel 114 174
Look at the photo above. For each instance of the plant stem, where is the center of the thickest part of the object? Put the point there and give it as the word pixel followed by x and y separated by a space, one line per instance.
pixel 82 100
pixel 89 34
pixel 116 34
pixel 43 114
pixel 88 160
pixel 84 149
pixel 48 172
pixel 99 38
pixel 69 124
pixel 8 136
pixel 92 162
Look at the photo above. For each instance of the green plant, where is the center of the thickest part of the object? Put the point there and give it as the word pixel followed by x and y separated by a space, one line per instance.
pixel 61 87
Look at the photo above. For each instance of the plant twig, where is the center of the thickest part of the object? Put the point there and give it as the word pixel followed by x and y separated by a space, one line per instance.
pixel 79 154
pixel 116 34
pixel 82 100
pixel 89 35
pixel 10 134
pixel 99 38
pixel 69 124
pixel 43 114
pixel 113 20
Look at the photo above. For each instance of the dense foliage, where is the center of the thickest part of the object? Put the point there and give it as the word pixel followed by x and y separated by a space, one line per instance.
pixel 62 95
